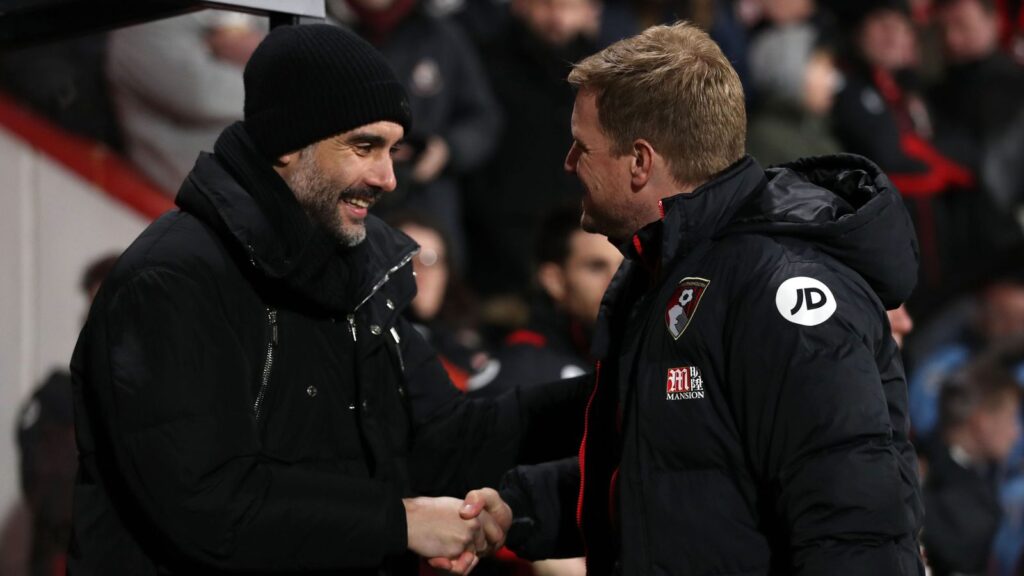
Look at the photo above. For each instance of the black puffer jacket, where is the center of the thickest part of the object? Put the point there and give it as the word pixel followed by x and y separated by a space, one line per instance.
pixel 248 399
pixel 750 412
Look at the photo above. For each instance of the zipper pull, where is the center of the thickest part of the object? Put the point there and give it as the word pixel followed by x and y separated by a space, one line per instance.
pixel 401 361
pixel 273 326
pixel 352 326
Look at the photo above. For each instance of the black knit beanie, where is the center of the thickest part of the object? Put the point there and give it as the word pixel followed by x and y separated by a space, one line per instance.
pixel 308 82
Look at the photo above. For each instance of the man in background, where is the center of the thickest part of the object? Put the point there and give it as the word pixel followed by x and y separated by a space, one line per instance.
pixel 573 269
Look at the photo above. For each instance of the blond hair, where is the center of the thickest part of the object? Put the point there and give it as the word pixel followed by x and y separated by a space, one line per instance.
pixel 672 86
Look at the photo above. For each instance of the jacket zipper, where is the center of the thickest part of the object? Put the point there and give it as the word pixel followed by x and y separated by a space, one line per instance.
pixel 268 364
pixel 352 326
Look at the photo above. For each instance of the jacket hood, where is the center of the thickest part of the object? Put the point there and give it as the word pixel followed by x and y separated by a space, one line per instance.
pixel 845 205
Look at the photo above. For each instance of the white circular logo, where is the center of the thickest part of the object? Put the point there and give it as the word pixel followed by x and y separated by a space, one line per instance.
pixel 571 371
pixel 805 301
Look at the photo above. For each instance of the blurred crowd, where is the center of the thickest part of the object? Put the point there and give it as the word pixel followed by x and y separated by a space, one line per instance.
pixel 509 287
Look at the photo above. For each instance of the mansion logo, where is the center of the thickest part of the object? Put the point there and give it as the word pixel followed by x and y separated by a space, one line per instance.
pixel 684 383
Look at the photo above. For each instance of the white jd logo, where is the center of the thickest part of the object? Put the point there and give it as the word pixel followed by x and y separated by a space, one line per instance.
pixel 815 299
pixel 805 301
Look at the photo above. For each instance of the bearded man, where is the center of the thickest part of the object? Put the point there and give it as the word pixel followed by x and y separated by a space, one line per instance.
pixel 249 398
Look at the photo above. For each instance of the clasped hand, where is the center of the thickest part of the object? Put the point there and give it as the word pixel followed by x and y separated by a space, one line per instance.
pixel 454 534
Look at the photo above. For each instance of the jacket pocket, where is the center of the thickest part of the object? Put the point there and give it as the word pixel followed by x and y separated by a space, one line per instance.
pixel 699 524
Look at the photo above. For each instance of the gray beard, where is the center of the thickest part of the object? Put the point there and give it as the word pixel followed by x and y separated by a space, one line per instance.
pixel 319 199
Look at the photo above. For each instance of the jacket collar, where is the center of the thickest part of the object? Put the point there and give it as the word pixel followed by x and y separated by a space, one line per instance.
pixel 690 218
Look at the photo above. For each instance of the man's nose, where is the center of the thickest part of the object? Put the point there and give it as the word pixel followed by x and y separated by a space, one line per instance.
pixel 383 176
pixel 571 159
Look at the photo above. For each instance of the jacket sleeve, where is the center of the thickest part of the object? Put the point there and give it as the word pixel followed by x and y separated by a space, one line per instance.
pixel 812 410
pixel 174 391
pixel 460 443
pixel 543 501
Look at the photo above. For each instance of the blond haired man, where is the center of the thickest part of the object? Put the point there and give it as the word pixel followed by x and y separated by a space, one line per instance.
pixel 749 410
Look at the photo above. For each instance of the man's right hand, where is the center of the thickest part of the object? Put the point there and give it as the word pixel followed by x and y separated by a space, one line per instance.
pixel 494 514
pixel 436 530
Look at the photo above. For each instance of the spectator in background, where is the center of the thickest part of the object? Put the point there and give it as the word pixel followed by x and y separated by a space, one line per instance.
pixel 457 119
pixel 880 114
pixel 573 269
pixel 95 273
pixel 900 324
pixel 527 63
pixel 978 428
pixel 624 18
pixel 1011 29
pixel 998 316
pixel 796 82
pixel 176 83
pixel 46 442
pixel 34 537
pixel 63 81
pixel 443 309
pixel 982 96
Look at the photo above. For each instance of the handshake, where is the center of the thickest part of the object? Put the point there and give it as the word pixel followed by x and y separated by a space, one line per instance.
pixel 454 534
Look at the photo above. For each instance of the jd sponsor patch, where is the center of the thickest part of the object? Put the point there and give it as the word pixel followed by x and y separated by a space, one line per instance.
pixel 805 301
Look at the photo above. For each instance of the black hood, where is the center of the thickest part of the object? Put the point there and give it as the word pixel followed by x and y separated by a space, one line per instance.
pixel 845 205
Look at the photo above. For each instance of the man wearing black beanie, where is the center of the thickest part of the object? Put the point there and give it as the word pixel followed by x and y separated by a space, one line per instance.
pixel 248 397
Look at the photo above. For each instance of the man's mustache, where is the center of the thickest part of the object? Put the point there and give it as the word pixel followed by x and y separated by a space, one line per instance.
pixel 368 193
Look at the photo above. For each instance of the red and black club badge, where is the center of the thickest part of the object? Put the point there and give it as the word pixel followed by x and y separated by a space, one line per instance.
pixel 683 304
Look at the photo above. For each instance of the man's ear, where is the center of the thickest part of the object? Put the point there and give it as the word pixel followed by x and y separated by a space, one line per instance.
pixel 285 160
pixel 285 163
pixel 552 279
pixel 641 163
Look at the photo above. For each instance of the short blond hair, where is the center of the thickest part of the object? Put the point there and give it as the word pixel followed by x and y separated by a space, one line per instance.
pixel 672 86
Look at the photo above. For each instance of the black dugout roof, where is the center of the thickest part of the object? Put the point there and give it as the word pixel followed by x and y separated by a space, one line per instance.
pixel 26 22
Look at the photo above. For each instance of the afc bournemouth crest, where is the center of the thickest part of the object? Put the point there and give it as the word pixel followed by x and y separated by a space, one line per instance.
pixel 683 304
pixel 684 383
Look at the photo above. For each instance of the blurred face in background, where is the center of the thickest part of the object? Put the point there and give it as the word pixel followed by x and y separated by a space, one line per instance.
pixel 781 12
pixel 558 22
pixel 997 427
pixel 900 323
pixel 1002 312
pixel 969 31
pixel 431 267
pixel 886 39
pixel 821 82
pixel 578 284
